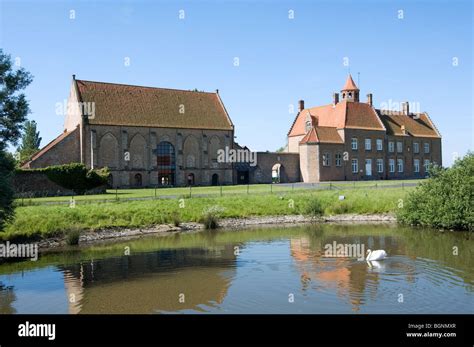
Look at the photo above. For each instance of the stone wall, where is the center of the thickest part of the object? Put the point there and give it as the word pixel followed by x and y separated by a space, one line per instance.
pixel 289 170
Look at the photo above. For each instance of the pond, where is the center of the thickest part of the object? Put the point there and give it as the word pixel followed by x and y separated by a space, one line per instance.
pixel 264 270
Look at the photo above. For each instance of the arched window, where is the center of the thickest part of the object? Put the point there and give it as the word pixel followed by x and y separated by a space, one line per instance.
pixel 166 163
pixel 138 180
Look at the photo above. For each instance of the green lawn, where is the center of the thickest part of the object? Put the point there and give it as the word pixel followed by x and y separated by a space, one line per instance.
pixel 123 194
pixel 48 220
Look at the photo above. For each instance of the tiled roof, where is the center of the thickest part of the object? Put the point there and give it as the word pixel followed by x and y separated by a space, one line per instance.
pixel 319 134
pixel 119 104
pixel 50 145
pixel 345 114
pixel 350 85
pixel 328 135
pixel 418 124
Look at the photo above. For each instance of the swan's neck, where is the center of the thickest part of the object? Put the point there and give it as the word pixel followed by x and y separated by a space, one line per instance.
pixel 368 255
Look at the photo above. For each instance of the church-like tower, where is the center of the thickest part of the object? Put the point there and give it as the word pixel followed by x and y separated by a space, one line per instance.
pixel 350 92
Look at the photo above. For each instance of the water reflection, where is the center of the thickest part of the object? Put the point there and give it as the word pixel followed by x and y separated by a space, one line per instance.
pixel 250 271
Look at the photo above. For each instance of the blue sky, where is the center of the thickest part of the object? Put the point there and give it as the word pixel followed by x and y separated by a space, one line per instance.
pixel 281 60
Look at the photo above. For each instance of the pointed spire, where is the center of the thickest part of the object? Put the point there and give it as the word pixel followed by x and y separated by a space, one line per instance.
pixel 350 85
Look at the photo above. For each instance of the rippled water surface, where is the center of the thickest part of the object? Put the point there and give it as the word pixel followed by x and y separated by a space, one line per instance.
pixel 268 270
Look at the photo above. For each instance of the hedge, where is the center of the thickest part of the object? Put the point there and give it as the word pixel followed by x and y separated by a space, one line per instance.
pixel 74 176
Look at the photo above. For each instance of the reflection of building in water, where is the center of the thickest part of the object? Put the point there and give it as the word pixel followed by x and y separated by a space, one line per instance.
pixel 348 276
pixel 151 282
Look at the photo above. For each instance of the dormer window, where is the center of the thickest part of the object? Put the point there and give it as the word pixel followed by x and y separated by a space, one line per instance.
pixel 350 94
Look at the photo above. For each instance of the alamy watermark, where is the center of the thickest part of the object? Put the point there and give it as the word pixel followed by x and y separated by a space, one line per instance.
pixel 344 250
pixel 20 250
pixel 230 155
pixel 85 108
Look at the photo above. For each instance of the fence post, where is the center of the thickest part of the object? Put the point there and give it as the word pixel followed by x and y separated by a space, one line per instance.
pixel 190 191
pixel 271 188
pixel 116 193
pixel 155 192
pixel 403 185
pixel 248 185
pixel 292 186
pixel 330 186
pixel 375 185
pixel 221 189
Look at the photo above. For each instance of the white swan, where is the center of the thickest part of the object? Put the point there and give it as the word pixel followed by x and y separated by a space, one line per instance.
pixel 379 254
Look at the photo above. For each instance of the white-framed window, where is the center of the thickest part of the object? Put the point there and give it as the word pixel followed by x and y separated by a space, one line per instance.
pixel 400 165
pixel 338 159
pixel 355 166
pixel 379 165
pixel 391 146
pixel 368 144
pixel 326 159
pixel 427 147
pixel 354 143
pixel 379 144
pixel 416 165
pixel 416 147
pixel 426 162
pixel 399 146
pixel 391 165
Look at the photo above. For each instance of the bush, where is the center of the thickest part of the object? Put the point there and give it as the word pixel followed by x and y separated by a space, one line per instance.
pixel 176 219
pixel 75 176
pixel 7 167
pixel 210 217
pixel 72 237
pixel 313 208
pixel 445 200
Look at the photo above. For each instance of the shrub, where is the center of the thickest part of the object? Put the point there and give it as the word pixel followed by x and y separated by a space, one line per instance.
pixel 75 176
pixel 176 218
pixel 210 217
pixel 445 200
pixel 72 237
pixel 313 208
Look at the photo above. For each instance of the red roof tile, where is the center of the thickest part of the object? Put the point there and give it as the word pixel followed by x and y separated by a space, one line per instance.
pixel 350 85
pixel 50 145
pixel 319 134
pixel 418 124
pixel 120 104
pixel 345 114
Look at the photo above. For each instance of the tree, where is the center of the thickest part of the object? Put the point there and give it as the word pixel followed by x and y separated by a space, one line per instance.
pixel 30 141
pixel 13 112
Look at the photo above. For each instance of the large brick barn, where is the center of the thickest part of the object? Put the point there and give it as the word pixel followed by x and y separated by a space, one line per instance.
pixel 145 136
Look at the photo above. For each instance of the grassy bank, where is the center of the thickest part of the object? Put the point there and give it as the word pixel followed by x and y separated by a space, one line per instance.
pixel 149 193
pixel 50 220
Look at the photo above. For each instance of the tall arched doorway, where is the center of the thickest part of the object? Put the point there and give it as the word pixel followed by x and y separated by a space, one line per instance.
pixel 215 179
pixel 166 163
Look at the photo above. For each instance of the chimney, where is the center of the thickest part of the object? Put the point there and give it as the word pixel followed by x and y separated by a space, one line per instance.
pixel 335 98
pixel 73 77
pixel 406 108
pixel 301 105
pixel 369 99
